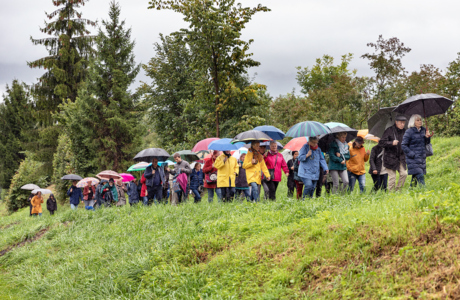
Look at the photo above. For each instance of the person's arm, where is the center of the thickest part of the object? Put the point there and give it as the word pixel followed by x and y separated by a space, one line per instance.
pixel 148 173
pixel 264 168
pixel 290 164
pixel 303 152
pixel 187 169
pixel 366 155
pixel 219 163
pixel 387 139
pixel 323 163
pixel 347 155
pixel 284 165
pixel 372 160
pixel 69 193
pixel 333 155
pixel 236 168
pixel 247 163
pixel 405 145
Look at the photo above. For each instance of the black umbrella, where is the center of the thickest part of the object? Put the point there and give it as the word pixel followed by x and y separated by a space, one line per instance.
pixel 426 105
pixel 382 119
pixel 187 155
pixel 251 136
pixel 326 139
pixel 151 153
pixel 71 177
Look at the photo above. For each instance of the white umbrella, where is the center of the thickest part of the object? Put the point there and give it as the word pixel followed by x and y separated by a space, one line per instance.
pixel 240 151
pixel 30 187
pixel 43 191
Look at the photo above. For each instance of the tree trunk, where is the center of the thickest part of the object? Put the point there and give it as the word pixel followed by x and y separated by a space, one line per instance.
pixel 216 87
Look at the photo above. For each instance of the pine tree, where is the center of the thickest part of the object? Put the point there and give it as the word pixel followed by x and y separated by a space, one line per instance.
pixel 104 119
pixel 15 120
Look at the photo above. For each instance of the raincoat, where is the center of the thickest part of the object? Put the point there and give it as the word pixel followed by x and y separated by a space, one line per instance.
pixel 226 171
pixel 358 158
pixel 75 196
pixel 280 164
pixel 253 172
pixel 309 166
pixel 36 204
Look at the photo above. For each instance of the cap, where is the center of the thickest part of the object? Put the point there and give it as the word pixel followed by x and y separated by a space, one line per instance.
pixel 359 139
pixel 401 118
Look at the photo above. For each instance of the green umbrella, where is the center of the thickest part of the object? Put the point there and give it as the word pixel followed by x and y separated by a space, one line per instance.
pixel 186 155
pixel 139 166
pixel 308 128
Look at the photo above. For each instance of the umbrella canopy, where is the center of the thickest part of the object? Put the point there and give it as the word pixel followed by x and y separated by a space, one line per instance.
pixel 363 132
pixel 203 144
pixel 168 162
pixel 251 136
pixel 202 154
pixel 381 120
pixel 43 191
pixel 308 128
pixel 107 174
pixel 271 131
pixel 426 105
pixel 30 187
pixel 326 139
pixel 127 177
pixel 84 182
pixel 71 177
pixel 151 153
pixel 287 155
pixel 186 155
pixel 139 166
pixel 296 144
pixel 240 151
pixel 223 145
pixel 371 137
pixel 208 156
pixel 267 144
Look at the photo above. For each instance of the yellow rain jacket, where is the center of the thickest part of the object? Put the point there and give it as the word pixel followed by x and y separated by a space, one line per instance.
pixel 253 172
pixel 226 171
pixel 36 204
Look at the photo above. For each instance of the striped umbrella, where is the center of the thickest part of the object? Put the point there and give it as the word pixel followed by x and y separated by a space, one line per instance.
pixel 84 182
pixel 139 166
pixel 308 128
pixel 107 174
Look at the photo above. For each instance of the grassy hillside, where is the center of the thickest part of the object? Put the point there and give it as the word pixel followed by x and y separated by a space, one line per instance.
pixel 402 245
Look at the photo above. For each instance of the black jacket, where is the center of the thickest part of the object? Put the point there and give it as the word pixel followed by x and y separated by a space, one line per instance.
pixel 51 205
pixel 413 144
pixel 394 155
pixel 375 160
pixel 241 180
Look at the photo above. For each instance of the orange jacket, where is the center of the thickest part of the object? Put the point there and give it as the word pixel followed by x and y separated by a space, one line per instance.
pixel 36 204
pixel 357 159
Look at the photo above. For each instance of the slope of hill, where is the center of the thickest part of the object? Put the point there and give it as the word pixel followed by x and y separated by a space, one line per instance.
pixel 403 245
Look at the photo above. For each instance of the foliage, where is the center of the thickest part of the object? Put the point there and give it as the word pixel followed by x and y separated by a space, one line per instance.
pixel 15 119
pixel 103 123
pixel 219 53
pixel 29 171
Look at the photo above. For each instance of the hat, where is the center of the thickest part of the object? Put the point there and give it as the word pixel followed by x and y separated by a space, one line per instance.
pixel 359 139
pixel 401 118
pixel 111 180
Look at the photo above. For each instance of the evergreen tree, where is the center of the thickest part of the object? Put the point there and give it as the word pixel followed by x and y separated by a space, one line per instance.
pixel 103 123
pixel 15 119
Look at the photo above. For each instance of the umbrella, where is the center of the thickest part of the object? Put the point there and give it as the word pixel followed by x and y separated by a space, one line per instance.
pixel 168 162
pixel 240 151
pixel 271 131
pixel 30 187
pixel 381 120
pixel 84 182
pixel 267 144
pixel 186 155
pixel 426 105
pixel 71 177
pixel 223 145
pixel 43 191
pixel 287 155
pixel 127 177
pixel 326 139
pixel 139 166
pixel 296 144
pixel 251 136
pixel 208 156
pixel 202 154
pixel 107 174
pixel 151 153
pixel 308 128
pixel 203 144
pixel 371 137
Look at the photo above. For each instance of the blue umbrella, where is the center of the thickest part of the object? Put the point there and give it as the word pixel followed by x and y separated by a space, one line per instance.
pixel 308 128
pixel 223 145
pixel 271 131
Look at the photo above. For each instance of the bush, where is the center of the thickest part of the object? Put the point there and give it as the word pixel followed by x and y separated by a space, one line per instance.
pixel 29 171
pixel 63 164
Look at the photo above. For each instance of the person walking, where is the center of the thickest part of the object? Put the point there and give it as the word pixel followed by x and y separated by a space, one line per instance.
pixel 196 180
pixel 375 169
pixel 29 200
pixel 37 201
pixel 51 204
pixel 121 189
pixel 88 195
pixel 75 195
pixel 275 163
pixel 254 164
pixel 311 159
pixel 339 153
pixel 291 182
pixel 355 165
pixel 414 146
pixel 133 193
pixel 155 178
pixel 227 170
pixel 241 182
pixel 181 167
pixel 394 159
pixel 144 193
pixel 297 179
pixel 210 175
pixel 110 193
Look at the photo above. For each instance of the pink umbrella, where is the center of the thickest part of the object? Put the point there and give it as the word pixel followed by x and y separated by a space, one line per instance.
pixel 203 145
pixel 107 174
pixel 84 182
pixel 127 177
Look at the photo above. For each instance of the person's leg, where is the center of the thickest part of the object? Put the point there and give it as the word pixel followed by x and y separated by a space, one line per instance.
pixel 74 207
pixel 384 182
pixel 219 194
pixel 158 194
pixel 266 190
pixel 345 181
pixel 308 187
pixel 319 184
pixel 375 179
pixel 210 195
pixel 299 188
pixel 335 181
pixel 420 178
pixel 391 180
pixel 402 176
pixel 272 187
pixel 145 200
pixel 255 192
pixel 197 195
pixel 231 193
pixel 247 194
pixel 352 181
pixel 39 214
pixel 362 182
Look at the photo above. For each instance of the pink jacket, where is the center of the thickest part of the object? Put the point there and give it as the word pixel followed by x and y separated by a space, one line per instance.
pixel 280 164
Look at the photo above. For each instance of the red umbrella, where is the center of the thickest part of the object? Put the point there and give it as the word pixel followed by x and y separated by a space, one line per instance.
pixel 296 144
pixel 203 145
pixel 107 174
pixel 208 156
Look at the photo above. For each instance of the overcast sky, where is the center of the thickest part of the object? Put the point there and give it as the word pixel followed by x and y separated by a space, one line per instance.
pixel 294 33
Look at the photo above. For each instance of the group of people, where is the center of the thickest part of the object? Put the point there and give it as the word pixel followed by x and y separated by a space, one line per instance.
pixel 398 151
